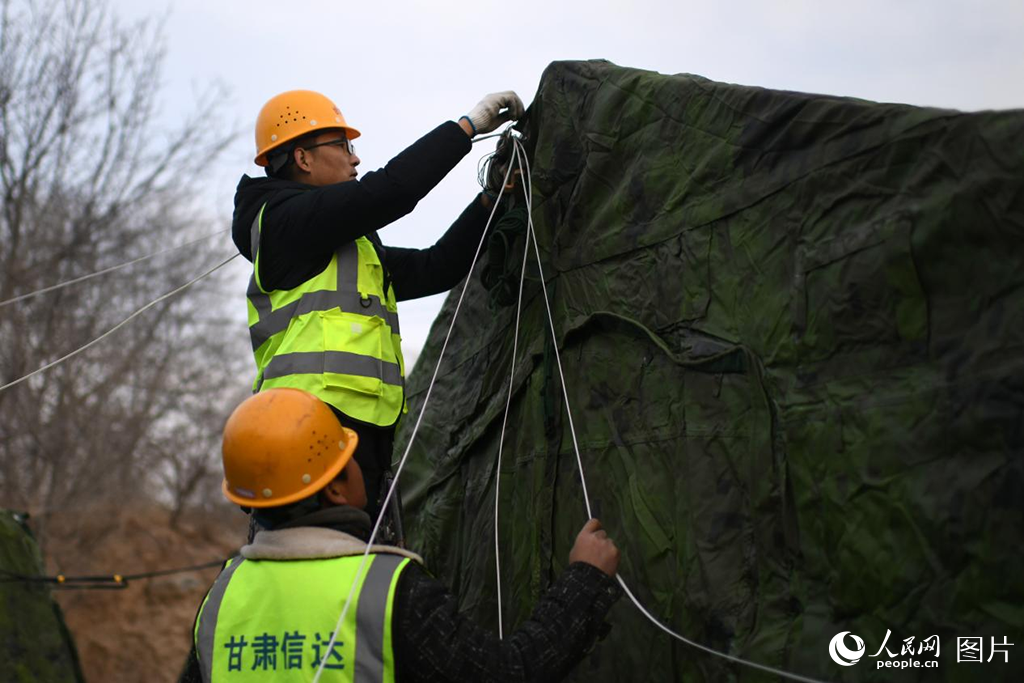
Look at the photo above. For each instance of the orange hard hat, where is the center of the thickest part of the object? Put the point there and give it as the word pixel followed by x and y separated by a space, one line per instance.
pixel 293 114
pixel 282 445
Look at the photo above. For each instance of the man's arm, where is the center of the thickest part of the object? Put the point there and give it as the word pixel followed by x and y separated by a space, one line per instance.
pixel 417 273
pixel 384 196
pixel 305 226
pixel 434 642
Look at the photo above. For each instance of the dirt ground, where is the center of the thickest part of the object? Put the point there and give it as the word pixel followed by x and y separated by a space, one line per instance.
pixel 143 632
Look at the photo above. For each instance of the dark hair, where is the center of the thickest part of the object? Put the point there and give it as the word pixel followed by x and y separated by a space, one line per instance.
pixel 271 518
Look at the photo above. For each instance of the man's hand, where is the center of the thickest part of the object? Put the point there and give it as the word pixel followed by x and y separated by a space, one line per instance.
pixel 485 116
pixel 594 547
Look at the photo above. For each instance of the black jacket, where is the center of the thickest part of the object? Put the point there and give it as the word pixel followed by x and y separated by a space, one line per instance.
pixel 434 642
pixel 303 225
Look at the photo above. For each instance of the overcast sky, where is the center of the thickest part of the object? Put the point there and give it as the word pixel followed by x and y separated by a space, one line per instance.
pixel 397 69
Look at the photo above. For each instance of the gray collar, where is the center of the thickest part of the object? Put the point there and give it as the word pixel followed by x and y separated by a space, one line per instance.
pixel 307 543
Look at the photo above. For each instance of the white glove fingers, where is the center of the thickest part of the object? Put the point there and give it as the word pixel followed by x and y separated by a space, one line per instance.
pixel 485 116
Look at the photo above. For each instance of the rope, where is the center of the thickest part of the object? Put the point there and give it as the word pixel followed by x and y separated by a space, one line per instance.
pixel 102 581
pixel 412 438
pixel 531 236
pixel 108 270
pixel 478 138
pixel 501 441
pixel 118 326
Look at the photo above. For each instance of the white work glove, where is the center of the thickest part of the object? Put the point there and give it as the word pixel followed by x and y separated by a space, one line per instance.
pixel 484 117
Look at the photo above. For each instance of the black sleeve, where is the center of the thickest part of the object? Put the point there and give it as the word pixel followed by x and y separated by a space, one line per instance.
pixel 421 272
pixel 433 642
pixel 191 672
pixel 303 227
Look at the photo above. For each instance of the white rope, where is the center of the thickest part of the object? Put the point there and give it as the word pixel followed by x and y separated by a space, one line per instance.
pixel 501 439
pixel 108 270
pixel 731 658
pixel 532 237
pixel 412 437
pixel 118 326
pixel 501 132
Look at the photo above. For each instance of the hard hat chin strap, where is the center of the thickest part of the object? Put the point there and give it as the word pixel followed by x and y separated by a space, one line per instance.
pixel 277 161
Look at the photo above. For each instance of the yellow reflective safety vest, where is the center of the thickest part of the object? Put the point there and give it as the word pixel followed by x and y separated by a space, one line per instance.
pixel 336 335
pixel 272 620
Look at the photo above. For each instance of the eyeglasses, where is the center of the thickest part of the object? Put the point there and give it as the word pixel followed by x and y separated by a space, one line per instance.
pixel 340 142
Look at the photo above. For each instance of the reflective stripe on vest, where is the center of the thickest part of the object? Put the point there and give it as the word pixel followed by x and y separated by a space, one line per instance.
pixel 340 362
pixel 355 335
pixel 233 643
pixel 210 609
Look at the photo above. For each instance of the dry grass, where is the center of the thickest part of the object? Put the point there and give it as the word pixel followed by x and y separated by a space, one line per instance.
pixel 143 632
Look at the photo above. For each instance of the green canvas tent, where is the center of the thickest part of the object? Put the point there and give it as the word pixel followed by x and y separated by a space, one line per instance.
pixel 792 335
pixel 35 645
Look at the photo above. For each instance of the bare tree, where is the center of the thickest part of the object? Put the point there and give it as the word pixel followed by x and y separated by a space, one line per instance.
pixel 90 180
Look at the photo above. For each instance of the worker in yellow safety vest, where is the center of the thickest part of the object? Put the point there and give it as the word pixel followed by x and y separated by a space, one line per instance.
pixel 273 611
pixel 324 292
